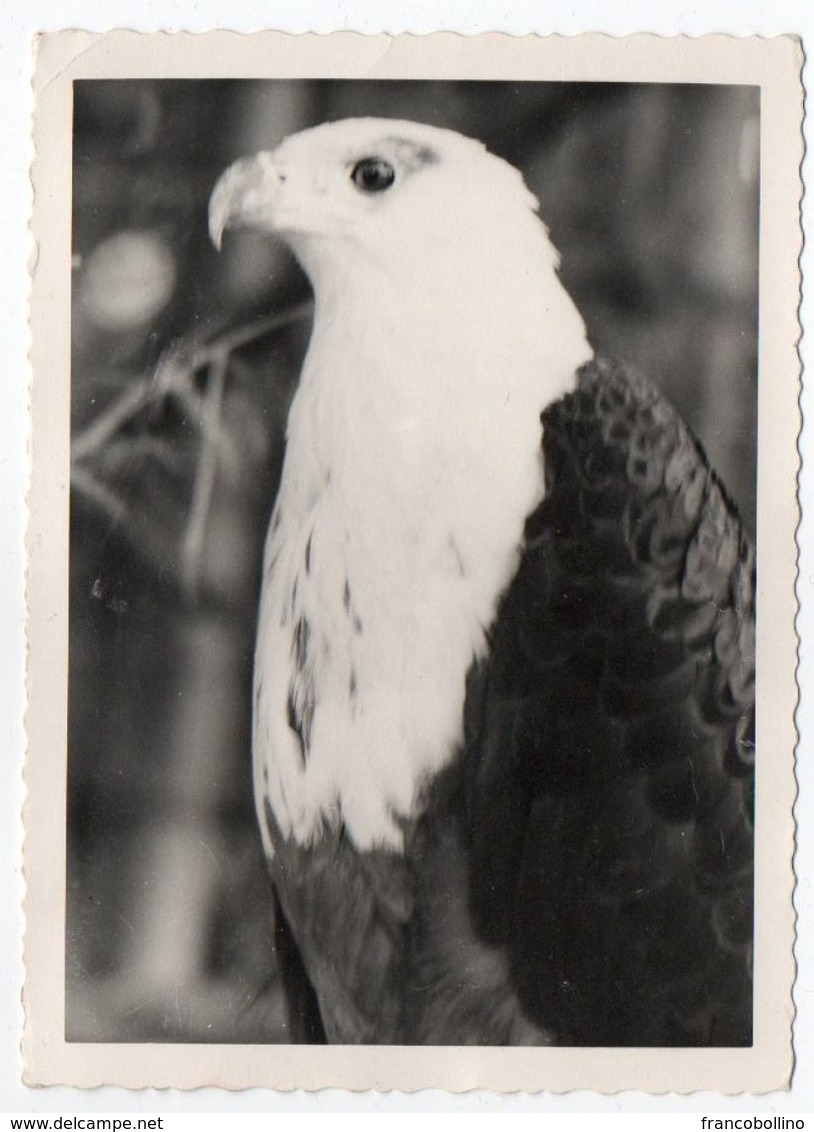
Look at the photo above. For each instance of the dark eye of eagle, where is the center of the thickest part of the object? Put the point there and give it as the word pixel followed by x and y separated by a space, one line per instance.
pixel 373 174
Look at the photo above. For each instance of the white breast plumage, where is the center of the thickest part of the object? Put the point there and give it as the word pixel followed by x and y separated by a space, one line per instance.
pixel 384 566
pixel 413 459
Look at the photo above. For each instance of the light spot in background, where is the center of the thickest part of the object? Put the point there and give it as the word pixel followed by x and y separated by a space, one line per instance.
pixel 129 278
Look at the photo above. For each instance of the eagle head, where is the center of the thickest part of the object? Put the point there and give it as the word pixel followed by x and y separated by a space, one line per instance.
pixel 368 190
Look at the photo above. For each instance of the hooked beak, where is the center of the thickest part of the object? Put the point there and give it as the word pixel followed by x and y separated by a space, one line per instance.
pixel 245 195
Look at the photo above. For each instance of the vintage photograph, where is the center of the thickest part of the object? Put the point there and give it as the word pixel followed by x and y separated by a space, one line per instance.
pixel 411 584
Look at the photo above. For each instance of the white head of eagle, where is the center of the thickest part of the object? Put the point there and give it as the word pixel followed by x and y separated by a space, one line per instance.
pixel 413 456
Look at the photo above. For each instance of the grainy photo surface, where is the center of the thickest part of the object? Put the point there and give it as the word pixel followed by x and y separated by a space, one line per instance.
pixel 183 370
pixel 414 517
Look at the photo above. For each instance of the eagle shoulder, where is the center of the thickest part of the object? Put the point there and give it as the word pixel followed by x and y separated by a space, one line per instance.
pixel 610 750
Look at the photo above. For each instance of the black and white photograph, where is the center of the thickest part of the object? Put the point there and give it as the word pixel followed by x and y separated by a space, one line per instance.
pixel 414 553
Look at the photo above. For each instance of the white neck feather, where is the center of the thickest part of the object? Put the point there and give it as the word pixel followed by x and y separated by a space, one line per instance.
pixel 413 460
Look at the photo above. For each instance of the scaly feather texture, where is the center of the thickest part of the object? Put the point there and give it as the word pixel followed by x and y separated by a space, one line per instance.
pixel 611 756
pixel 502 690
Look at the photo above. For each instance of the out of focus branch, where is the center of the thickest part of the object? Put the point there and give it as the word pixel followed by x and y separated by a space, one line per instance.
pixel 205 473
pixel 104 427
pixel 105 499
pixel 176 375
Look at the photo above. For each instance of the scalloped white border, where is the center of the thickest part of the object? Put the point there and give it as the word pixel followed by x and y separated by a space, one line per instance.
pixel 775 65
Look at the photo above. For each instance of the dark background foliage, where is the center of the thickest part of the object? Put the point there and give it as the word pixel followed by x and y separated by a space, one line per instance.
pixel 181 385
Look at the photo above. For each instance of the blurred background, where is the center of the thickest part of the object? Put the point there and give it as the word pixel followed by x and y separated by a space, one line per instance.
pixel 183 367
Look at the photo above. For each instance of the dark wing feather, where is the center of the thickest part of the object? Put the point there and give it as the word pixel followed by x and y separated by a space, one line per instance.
pixel 610 762
pixel 387 940
pixel 348 912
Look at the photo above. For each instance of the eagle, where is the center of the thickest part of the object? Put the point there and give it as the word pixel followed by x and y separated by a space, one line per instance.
pixel 503 701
